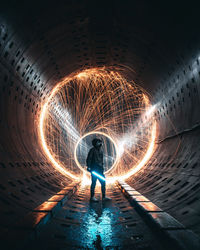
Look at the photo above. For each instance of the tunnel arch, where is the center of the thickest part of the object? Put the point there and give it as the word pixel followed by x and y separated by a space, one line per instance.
pixel 33 59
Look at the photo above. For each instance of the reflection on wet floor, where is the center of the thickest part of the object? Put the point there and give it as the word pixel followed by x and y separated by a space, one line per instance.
pixel 97 226
pixel 81 224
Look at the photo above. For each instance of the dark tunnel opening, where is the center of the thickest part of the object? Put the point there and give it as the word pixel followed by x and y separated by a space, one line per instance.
pixel 154 46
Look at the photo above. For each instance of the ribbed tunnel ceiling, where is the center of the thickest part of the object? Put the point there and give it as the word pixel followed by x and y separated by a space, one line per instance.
pixel 154 44
pixel 139 35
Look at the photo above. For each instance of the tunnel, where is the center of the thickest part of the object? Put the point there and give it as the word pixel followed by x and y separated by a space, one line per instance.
pixel 125 71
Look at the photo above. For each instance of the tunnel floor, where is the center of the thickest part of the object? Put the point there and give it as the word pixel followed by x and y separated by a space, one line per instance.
pixel 81 224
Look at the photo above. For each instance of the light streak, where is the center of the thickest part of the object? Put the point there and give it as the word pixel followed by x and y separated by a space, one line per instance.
pixel 147 156
pixel 57 165
pixel 97 100
pixel 65 121
pixel 98 175
pixel 129 139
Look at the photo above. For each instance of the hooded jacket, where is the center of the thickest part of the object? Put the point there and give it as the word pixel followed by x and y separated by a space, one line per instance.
pixel 94 159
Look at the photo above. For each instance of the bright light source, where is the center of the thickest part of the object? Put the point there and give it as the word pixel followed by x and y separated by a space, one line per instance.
pixel 98 175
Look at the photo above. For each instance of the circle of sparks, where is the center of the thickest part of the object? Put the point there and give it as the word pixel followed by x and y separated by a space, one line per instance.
pixel 98 100
pixel 90 133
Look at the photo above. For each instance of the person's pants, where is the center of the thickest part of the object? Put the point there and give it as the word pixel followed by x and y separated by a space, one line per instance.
pixel 103 185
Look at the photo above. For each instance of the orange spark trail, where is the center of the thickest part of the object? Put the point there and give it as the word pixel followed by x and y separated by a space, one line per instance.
pixel 102 101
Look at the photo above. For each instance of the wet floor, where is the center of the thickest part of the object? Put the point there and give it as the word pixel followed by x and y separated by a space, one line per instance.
pixel 103 225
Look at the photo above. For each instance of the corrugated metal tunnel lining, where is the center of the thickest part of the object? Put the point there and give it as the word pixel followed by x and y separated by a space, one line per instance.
pixel 41 43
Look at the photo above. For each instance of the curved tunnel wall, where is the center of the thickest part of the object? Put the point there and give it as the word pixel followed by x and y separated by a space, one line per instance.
pixel 171 177
pixel 27 178
pixel 33 60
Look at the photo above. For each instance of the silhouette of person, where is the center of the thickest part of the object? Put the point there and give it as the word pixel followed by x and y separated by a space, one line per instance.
pixel 94 162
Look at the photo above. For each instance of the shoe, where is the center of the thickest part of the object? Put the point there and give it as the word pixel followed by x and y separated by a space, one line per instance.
pixel 93 199
pixel 106 199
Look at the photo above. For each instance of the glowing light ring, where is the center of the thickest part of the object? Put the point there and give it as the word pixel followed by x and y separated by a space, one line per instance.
pixel 61 168
pixel 90 133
